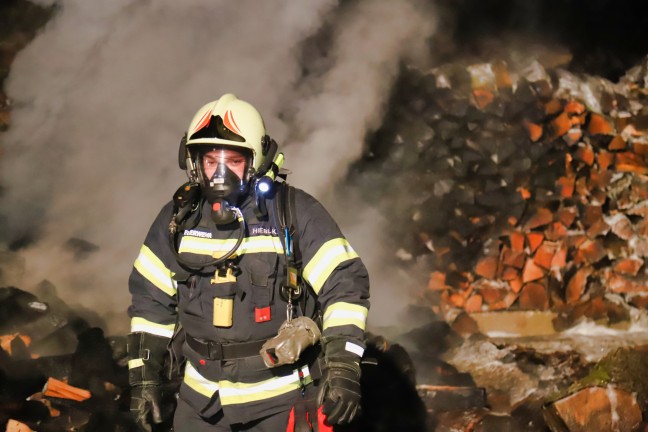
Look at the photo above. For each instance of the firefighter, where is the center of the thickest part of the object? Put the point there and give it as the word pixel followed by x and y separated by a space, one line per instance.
pixel 223 273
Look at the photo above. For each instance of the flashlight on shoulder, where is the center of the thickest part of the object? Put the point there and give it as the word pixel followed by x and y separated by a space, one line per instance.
pixel 265 184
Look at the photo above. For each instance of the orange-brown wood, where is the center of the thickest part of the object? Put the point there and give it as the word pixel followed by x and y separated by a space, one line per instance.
pixel 617 143
pixel 574 108
pixel 581 187
pixel 617 283
pixel 600 178
pixel 492 294
pixel 534 297
pixel 569 171
pixel 628 266
pixel 534 240
pixel 598 228
pixel 567 215
pixel 559 260
pixel 561 125
pixel 577 284
pixel 474 303
pixel 61 389
pixel 585 153
pixel 575 240
pixel 534 130
pixel 630 162
pixel 531 271
pixel 640 148
pixel 524 192
pixel 506 302
pixel 541 217
pixel 556 232
pixel 457 300
pixel 502 77
pixel 605 159
pixel 512 259
pixel 591 214
pixel 487 267
pixel 16 426
pixel 510 273
pixel 6 340
pixel 591 251
pixel 517 241
pixel 437 281
pixel 554 106
pixel 566 186
pixel 544 255
pixel 516 284
pixel 599 125
pixel 483 98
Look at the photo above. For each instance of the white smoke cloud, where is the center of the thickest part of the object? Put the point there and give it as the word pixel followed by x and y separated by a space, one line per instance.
pixel 104 92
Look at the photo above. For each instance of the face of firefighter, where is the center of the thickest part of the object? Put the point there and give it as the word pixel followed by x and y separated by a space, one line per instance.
pixel 236 161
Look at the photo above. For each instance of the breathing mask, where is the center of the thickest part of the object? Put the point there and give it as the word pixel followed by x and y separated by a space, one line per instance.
pixel 224 175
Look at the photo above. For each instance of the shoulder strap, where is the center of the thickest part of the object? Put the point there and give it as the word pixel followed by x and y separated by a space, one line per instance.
pixel 286 216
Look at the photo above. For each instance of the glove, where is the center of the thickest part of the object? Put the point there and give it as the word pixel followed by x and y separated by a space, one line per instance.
pixel 146 353
pixel 146 400
pixel 340 393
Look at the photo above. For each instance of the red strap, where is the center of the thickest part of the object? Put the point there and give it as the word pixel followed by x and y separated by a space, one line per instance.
pixel 321 417
pixel 291 421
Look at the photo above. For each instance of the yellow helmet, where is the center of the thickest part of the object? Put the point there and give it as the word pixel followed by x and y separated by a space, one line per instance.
pixel 228 121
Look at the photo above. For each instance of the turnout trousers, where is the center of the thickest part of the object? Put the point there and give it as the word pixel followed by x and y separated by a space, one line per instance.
pixel 187 420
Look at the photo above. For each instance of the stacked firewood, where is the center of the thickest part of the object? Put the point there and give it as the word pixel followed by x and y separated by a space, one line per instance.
pixel 583 230
pixel 529 185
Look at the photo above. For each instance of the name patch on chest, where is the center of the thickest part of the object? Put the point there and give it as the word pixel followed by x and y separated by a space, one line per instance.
pixel 261 229
pixel 195 233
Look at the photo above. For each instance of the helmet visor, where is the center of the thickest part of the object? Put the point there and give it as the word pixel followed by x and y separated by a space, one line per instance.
pixel 221 162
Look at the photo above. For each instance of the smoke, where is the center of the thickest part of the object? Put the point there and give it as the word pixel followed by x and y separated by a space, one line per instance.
pixel 368 48
pixel 104 92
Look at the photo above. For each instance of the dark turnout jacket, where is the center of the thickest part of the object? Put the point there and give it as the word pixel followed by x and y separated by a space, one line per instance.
pixel 163 292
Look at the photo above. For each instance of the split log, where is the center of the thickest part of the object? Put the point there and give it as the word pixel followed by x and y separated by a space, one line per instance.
pixel 60 389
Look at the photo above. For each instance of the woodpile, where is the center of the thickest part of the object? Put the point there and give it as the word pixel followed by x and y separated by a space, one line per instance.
pixel 531 185
pixel 58 373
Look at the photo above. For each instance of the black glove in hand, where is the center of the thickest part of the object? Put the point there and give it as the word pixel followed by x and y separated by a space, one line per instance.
pixel 145 378
pixel 340 392
pixel 145 407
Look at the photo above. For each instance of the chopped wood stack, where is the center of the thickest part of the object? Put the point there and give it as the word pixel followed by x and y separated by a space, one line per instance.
pixel 535 187
pixel 584 231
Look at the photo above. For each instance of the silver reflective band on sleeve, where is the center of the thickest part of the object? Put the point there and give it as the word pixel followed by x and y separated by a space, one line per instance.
pixel 152 268
pixel 354 348
pixel 139 324
pixel 342 313
pixel 328 257
pixel 132 364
